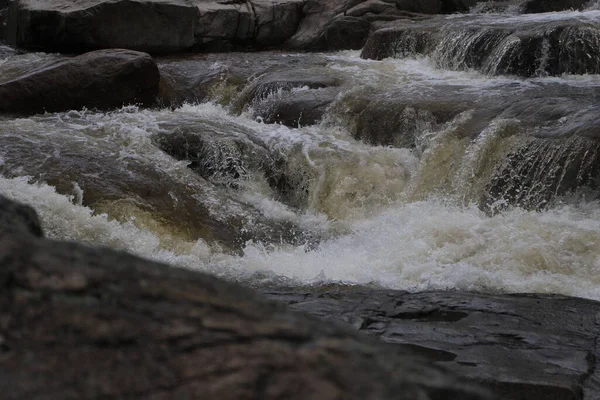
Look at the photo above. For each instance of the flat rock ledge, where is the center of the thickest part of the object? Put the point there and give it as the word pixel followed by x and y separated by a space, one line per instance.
pixel 522 347
pixel 84 323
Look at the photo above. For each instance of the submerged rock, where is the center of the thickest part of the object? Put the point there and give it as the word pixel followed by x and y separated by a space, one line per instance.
pixel 134 328
pixel 102 79
pixel 524 347
pixel 168 26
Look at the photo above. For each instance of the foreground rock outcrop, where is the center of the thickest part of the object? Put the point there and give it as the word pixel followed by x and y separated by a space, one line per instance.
pixel 102 79
pixel 525 347
pixel 83 323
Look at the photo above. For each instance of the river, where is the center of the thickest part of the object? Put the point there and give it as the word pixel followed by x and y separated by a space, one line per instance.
pixel 430 208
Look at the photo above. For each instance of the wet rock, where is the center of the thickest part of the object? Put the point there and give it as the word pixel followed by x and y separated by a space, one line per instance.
pixel 399 118
pixel 222 159
pixel 343 32
pixel 65 26
pixel 542 6
pixel 297 108
pixel 3 20
pixel 527 48
pixel 135 328
pixel 102 79
pixel 18 218
pixel 222 77
pixel 520 346
pixel 543 171
pixel 165 26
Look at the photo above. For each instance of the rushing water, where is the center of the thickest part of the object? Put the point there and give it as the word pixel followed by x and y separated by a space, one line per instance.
pixel 407 216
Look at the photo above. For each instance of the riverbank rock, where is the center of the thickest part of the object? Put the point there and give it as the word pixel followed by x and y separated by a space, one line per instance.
pixel 169 26
pixel 525 48
pixel 522 347
pixel 102 79
pixel 84 323
pixel 542 6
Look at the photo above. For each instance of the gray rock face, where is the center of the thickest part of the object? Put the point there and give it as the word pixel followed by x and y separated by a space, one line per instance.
pixel 154 26
pixel 541 6
pixel 167 26
pixel 134 328
pixel 102 79
pixel 520 346
pixel 527 48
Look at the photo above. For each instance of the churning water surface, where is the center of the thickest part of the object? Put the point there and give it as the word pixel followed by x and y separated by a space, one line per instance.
pixel 403 218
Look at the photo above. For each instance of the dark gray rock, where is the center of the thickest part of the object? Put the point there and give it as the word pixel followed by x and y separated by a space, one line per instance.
pixel 541 6
pixel 134 328
pixel 297 108
pixel 399 118
pixel 102 79
pixel 18 218
pixel 528 48
pixel 223 77
pixel 164 26
pixel 520 346
pixel 62 25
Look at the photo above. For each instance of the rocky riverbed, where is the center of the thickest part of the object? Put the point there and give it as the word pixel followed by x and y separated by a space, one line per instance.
pixel 424 173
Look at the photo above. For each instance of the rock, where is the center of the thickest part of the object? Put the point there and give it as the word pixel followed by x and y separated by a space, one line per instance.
pixel 531 48
pixel 134 328
pixel 343 33
pixel 520 346
pixel 542 6
pixel 276 83
pixel 222 77
pixel 164 26
pixel 297 108
pixel 399 119
pixel 18 218
pixel 67 26
pixel 102 79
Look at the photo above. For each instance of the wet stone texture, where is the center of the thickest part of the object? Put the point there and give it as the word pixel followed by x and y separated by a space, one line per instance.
pixel 520 346
pixel 85 323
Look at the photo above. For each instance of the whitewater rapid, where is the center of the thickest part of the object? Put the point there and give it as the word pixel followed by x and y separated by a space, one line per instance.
pixel 401 218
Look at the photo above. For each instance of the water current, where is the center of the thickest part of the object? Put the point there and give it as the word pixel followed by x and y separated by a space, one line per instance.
pixel 413 216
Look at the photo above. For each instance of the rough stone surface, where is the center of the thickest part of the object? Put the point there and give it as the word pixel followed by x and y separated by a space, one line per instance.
pixel 530 48
pixel 541 6
pixel 167 26
pixel 297 108
pixel 521 346
pixel 67 26
pixel 102 79
pixel 83 323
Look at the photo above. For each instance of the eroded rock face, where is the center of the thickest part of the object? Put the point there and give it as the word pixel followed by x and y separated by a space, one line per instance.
pixel 135 328
pixel 167 26
pixel 541 6
pixel 62 25
pixel 101 79
pixel 520 346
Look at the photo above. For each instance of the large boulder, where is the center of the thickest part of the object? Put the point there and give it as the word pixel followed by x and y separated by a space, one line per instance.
pixel 101 79
pixel 67 26
pixel 155 26
pixel 84 323
pixel 523 347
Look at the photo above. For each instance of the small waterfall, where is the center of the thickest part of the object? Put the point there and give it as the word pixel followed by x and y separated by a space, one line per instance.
pixel 544 170
pixel 520 45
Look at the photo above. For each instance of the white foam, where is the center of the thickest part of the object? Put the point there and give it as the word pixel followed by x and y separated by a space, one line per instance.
pixel 435 245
